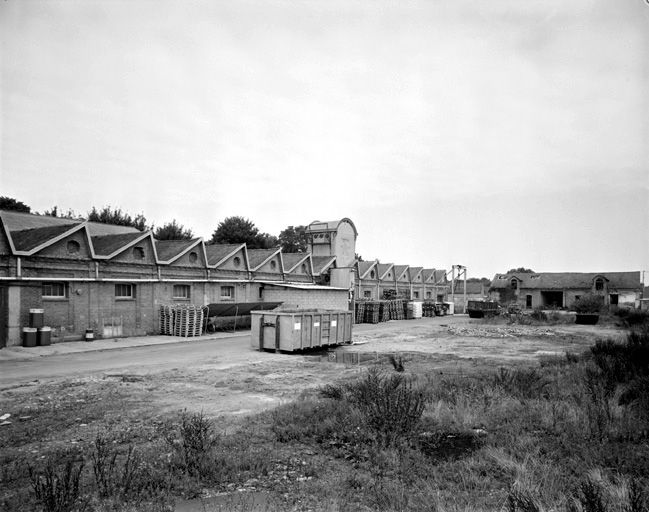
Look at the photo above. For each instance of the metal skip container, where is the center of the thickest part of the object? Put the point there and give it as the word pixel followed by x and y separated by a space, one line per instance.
pixel 297 329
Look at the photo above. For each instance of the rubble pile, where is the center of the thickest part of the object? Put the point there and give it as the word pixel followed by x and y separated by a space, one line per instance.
pixel 500 332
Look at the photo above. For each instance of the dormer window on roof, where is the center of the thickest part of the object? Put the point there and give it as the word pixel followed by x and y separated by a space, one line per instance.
pixel 599 284
pixel 514 283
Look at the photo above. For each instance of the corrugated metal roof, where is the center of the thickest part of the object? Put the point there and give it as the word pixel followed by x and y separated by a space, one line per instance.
pixel 563 280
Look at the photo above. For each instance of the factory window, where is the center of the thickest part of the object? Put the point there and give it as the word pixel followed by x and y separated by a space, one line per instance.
pixel 73 247
pixel 304 269
pixel 55 290
pixel 236 261
pixel 599 284
pixel 227 292
pixel 273 265
pixel 138 253
pixel 124 291
pixel 415 295
pixel 367 294
pixel 372 274
pixel 182 291
pixel 428 295
pixel 193 257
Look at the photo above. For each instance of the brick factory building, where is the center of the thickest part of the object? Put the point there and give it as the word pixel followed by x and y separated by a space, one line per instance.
pixel 113 279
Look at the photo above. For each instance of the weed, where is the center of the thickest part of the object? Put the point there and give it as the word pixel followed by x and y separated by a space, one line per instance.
pixel 520 382
pixel 521 500
pixel 56 488
pixel 195 444
pixel 390 405
pixel 109 477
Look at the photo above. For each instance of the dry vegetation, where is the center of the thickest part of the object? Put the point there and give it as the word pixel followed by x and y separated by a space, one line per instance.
pixel 566 433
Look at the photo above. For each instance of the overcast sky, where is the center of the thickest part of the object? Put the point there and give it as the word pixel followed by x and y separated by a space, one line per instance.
pixel 490 134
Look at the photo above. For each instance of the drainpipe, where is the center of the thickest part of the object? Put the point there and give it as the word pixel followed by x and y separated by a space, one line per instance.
pixel 19 269
pixel 97 270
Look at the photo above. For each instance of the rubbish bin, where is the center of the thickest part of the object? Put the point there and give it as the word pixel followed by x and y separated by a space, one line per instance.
pixel 29 336
pixel 44 337
pixel 36 317
pixel 90 335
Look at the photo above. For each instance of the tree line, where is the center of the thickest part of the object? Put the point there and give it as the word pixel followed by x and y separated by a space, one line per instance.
pixel 232 230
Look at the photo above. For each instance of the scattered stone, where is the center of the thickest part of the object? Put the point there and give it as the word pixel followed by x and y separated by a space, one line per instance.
pixel 5 423
pixel 5 417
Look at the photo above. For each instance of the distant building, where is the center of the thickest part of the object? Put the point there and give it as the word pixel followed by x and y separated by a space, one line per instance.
pixel 562 289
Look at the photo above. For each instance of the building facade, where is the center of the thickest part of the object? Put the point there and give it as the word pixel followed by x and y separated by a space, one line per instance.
pixel 562 289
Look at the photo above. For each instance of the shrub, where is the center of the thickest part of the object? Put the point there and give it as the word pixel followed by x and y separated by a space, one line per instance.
pixel 390 405
pixel 195 444
pixel 523 383
pixel 56 487
pixel 589 303
pixel 117 474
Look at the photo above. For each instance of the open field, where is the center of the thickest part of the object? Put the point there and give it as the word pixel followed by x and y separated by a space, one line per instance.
pixel 504 412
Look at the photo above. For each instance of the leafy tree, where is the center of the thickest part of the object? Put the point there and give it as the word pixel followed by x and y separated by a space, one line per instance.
pixel 55 212
pixel 109 216
pixel 520 270
pixel 293 239
pixel 173 231
pixel 238 230
pixel 9 203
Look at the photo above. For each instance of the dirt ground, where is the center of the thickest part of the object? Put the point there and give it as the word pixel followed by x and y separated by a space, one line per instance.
pixel 239 380
pixel 132 391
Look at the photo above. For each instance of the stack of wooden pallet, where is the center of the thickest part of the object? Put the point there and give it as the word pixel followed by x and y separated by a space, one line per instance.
pixel 384 311
pixel 166 320
pixel 359 312
pixel 396 309
pixel 179 320
pixel 372 311
pixel 414 310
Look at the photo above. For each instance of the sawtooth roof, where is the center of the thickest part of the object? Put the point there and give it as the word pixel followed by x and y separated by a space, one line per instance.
pixel 399 270
pixel 168 249
pixel 105 245
pixel 216 252
pixel 28 239
pixel 364 267
pixel 383 268
pixel 564 280
pixel 321 263
pixel 257 256
pixel 293 259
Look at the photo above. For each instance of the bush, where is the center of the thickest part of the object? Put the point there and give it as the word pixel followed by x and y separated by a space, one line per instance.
pixel 589 303
pixel 56 487
pixel 194 446
pixel 390 405
pixel 522 383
